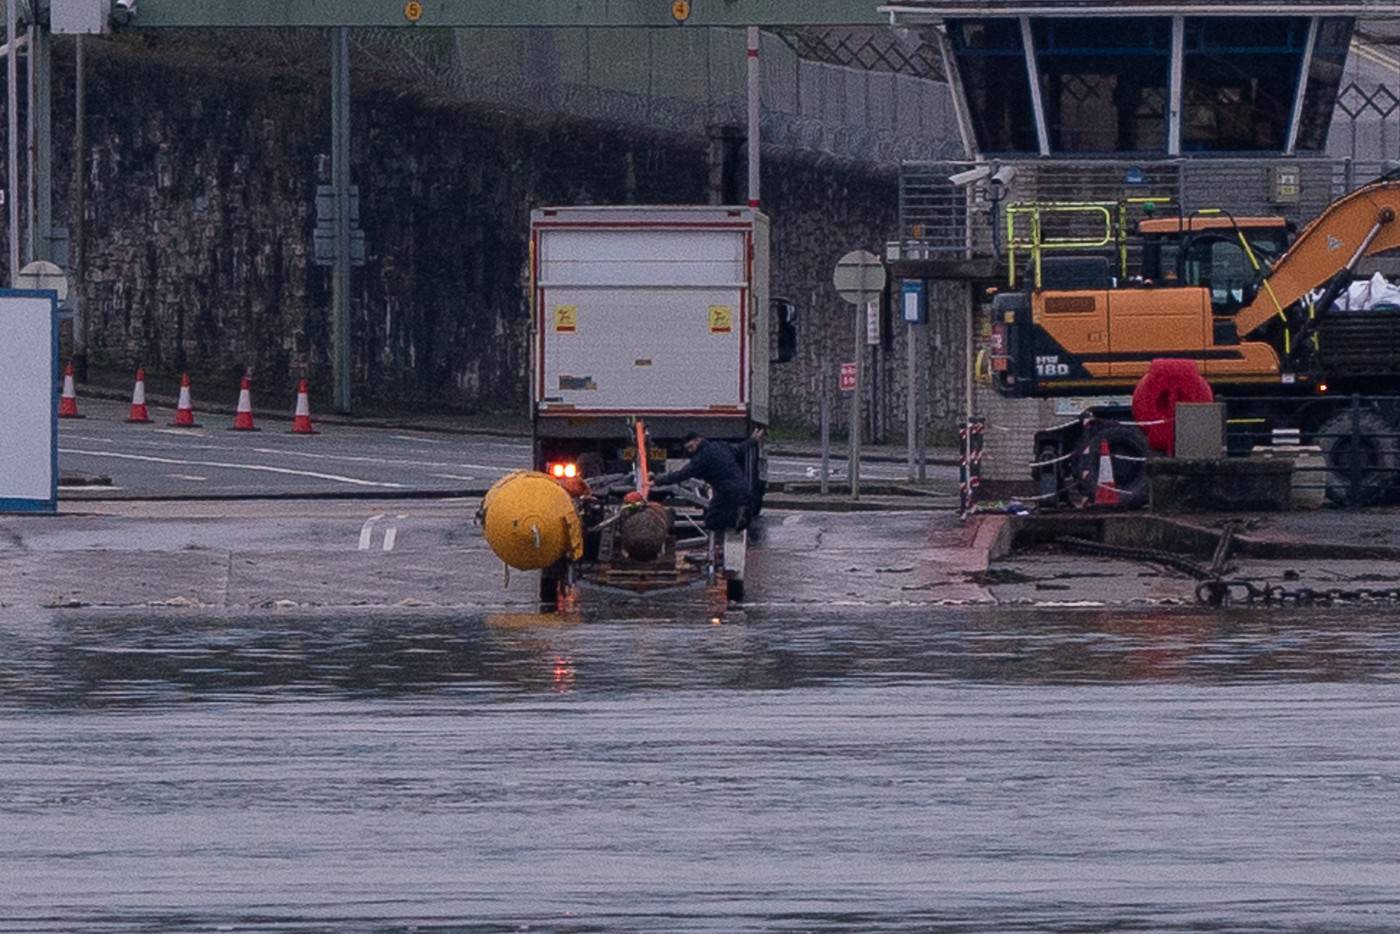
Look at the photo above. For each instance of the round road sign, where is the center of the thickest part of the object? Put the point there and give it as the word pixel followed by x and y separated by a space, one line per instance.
pixel 41 274
pixel 859 277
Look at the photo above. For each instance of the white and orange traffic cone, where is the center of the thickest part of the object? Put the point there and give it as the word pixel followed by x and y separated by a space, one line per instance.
pixel 1106 490
pixel 184 411
pixel 301 421
pixel 139 413
pixel 243 417
pixel 68 402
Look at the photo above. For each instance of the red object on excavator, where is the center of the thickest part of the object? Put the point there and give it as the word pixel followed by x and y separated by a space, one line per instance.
pixel 1166 383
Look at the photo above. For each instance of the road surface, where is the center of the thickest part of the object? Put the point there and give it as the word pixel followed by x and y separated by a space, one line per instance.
pixel 157 460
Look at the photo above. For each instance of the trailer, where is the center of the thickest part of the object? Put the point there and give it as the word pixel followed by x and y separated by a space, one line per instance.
pixel 652 315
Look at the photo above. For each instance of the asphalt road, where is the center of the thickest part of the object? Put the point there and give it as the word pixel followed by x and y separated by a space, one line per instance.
pixel 158 460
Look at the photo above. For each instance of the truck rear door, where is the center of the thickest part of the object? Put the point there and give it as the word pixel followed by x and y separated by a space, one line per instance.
pixel 642 319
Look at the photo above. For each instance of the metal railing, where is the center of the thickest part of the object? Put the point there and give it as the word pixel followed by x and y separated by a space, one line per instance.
pixel 941 220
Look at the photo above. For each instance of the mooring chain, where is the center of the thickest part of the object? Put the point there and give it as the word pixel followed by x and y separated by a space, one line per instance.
pixel 1239 592
pixel 1217 591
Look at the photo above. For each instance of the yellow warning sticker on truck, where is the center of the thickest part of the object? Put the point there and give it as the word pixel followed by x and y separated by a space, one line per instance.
pixel 721 319
pixel 565 319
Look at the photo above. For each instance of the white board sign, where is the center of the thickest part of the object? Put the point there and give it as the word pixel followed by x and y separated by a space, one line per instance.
pixel 29 390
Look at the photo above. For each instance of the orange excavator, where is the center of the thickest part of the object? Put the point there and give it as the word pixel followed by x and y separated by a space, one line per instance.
pixel 1248 303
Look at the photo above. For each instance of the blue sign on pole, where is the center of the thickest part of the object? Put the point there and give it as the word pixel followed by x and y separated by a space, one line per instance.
pixel 914 295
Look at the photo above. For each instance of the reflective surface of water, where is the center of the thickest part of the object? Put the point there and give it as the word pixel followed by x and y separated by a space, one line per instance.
pixel 775 770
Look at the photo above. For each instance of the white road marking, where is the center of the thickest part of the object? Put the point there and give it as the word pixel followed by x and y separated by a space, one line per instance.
pixel 185 432
pixel 263 468
pixel 420 440
pixel 385 461
pixel 367 531
pixel 185 476
pixel 450 476
pixel 391 535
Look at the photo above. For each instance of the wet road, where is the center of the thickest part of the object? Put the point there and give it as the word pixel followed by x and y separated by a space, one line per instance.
pixel 157 460
pixel 776 770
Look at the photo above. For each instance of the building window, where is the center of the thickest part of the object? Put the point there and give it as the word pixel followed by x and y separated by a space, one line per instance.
pixel 1240 78
pixel 992 63
pixel 1104 83
pixel 1329 60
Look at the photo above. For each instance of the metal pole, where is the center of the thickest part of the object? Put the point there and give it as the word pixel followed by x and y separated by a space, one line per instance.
pixel 1354 473
pixel 75 260
pixel 911 406
pixel 340 180
pixel 754 116
pixel 825 382
pixel 826 428
pixel 12 169
pixel 41 115
pixel 853 461
pixel 30 200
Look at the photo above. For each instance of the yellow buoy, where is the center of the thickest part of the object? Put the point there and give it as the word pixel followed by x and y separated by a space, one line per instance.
pixel 530 521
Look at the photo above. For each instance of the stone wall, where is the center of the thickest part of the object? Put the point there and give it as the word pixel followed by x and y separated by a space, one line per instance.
pixel 201 183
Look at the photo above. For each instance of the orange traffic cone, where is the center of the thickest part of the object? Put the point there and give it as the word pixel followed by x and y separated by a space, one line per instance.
pixel 68 402
pixel 139 414
pixel 301 421
pixel 1106 490
pixel 243 417
pixel 184 411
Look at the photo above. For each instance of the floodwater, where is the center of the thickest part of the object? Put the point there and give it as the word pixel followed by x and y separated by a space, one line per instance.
pixel 770 770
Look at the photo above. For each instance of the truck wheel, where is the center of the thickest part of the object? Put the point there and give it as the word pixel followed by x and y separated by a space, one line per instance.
pixel 1373 442
pixel 549 591
pixel 734 589
pixel 1127 446
pixel 760 487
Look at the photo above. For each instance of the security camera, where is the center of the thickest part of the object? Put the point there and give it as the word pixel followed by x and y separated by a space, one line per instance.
pixel 123 11
pixel 971 176
pixel 1004 175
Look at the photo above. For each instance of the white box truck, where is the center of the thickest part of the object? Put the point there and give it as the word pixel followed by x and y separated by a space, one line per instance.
pixel 657 313
pixel 651 316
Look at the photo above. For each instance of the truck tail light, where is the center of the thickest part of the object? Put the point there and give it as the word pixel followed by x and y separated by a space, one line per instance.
pixel 560 470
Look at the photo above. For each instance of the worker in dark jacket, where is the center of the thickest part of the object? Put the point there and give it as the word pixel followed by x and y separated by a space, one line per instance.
pixel 721 465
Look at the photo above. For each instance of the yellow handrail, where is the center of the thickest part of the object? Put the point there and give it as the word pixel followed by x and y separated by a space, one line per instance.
pixel 1038 243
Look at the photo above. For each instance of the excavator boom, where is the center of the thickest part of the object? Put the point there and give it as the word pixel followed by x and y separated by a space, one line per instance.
pixel 1357 225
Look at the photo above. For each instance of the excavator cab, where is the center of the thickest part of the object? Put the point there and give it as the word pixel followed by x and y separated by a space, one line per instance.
pixel 1205 250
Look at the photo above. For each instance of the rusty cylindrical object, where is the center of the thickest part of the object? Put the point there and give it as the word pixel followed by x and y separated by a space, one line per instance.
pixel 643 532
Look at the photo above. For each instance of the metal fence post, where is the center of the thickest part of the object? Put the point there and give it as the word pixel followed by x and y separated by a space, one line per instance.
pixel 1355 466
pixel 826 430
pixel 965 469
pixel 970 471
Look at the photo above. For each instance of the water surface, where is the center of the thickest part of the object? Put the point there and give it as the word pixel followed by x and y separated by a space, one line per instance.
pixel 858 769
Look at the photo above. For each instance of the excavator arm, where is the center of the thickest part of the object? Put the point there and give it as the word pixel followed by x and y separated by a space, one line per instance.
pixel 1360 224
